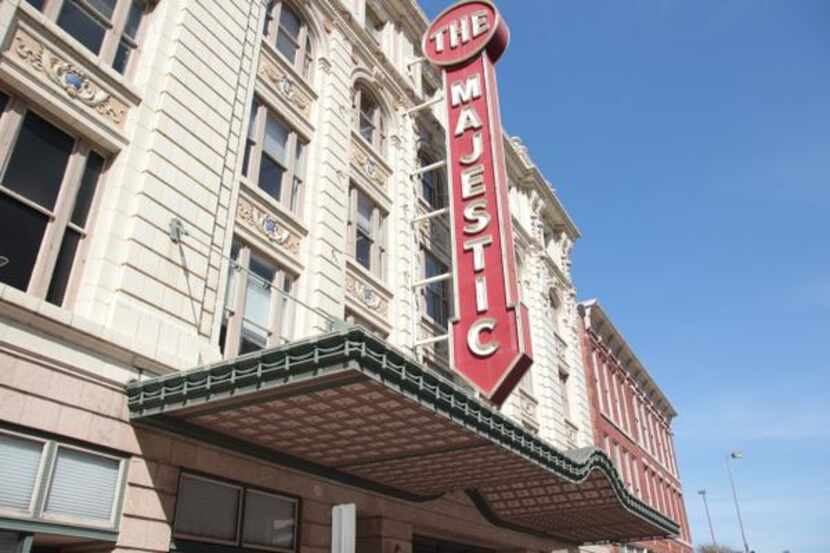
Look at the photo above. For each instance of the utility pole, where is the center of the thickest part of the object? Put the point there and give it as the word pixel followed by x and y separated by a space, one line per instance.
pixel 736 455
pixel 708 517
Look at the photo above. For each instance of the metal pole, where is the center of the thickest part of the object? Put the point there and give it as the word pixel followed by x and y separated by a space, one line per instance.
pixel 708 517
pixel 736 455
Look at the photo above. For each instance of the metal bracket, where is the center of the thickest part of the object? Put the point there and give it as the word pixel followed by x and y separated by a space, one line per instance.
pixel 431 280
pixel 438 99
pixel 428 168
pixel 176 230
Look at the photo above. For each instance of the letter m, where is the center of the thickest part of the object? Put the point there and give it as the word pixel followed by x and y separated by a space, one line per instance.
pixel 463 92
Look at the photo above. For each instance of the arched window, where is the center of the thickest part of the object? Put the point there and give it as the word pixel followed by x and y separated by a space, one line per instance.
pixel 288 32
pixel 369 119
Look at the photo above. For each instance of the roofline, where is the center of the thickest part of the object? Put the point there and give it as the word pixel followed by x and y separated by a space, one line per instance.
pixel 594 304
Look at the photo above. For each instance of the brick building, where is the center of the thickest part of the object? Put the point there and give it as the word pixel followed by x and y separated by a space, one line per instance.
pixel 632 421
pixel 210 326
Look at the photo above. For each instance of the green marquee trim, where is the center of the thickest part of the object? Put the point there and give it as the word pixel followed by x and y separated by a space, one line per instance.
pixel 357 349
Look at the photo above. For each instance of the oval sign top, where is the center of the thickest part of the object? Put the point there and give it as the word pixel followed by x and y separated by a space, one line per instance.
pixel 462 31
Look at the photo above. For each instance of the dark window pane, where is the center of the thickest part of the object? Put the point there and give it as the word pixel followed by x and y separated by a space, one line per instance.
pixel 86 29
pixel 63 268
pixel 37 4
pixel 249 144
pixel 20 242
pixel 92 173
pixel 133 20
pixel 3 101
pixel 286 46
pixel 122 57
pixel 363 250
pixel 38 161
pixel 104 7
pixel 290 21
pixel 270 177
pixel 223 335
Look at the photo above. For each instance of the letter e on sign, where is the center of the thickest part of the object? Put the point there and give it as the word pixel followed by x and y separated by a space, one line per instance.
pixel 489 334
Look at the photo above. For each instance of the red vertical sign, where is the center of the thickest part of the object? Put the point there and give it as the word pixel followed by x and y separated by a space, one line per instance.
pixel 490 337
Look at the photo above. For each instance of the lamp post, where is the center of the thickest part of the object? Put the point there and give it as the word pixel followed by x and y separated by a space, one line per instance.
pixel 729 458
pixel 708 517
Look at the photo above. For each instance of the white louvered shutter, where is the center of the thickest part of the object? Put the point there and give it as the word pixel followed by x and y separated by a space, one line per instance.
pixel 83 485
pixel 19 463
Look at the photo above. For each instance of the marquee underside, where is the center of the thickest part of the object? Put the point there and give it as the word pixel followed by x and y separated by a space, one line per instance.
pixel 348 407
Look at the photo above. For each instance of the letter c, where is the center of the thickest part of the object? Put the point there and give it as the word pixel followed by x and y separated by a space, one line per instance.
pixel 474 338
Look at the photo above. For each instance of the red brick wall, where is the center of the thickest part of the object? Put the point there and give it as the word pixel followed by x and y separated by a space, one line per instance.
pixel 650 475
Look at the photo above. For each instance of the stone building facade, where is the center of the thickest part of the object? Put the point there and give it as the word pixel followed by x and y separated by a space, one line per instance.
pixel 632 421
pixel 189 183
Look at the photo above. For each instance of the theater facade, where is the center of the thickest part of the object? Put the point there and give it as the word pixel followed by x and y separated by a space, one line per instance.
pixel 224 305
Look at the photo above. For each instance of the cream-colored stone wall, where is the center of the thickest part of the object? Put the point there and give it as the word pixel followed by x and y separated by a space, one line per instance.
pixel 176 134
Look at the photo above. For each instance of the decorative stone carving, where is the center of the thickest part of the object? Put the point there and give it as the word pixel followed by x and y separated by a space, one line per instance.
pixel 70 78
pixel 366 295
pixel 521 149
pixel 270 71
pixel 267 226
pixel 325 65
pixel 365 162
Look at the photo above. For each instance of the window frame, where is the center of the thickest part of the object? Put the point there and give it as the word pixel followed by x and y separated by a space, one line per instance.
pixel 70 525
pixel 40 475
pixel 303 62
pixel 241 511
pixel 428 290
pixel 378 117
pixel 113 29
pixel 234 309
pixel 258 122
pixel 438 182
pixel 69 519
pixel 378 253
pixel 59 218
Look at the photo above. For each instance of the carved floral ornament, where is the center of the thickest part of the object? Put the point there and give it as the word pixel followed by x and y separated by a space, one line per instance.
pixel 285 86
pixel 70 78
pixel 267 226
pixel 367 165
pixel 366 295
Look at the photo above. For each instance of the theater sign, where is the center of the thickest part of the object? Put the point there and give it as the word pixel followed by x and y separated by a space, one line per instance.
pixel 490 337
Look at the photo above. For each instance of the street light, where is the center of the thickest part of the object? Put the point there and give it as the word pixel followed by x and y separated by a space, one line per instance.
pixel 736 455
pixel 708 517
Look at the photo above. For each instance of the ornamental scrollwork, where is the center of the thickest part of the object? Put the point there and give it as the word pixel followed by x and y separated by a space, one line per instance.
pixel 368 166
pixel 366 295
pixel 267 226
pixel 70 78
pixel 278 78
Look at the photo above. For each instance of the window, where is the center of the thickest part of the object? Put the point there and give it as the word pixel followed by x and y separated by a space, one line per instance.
pixel 287 31
pixel 212 511
pixel 49 481
pixel 437 294
pixel 367 232
pixel 258 311
pixel 275 158
pixel 564 394
pixel 432 185
pixel 374 24
pixel 369 119
pixel 107 28
pixel 47 193
pixel 83 485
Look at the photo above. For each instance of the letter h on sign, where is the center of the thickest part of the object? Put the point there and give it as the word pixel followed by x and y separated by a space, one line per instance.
pixel 490 337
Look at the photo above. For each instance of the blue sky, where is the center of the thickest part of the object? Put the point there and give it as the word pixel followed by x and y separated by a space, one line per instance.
pixel 690 141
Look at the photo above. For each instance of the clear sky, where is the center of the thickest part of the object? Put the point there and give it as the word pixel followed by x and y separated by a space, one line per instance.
pixel 690 142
